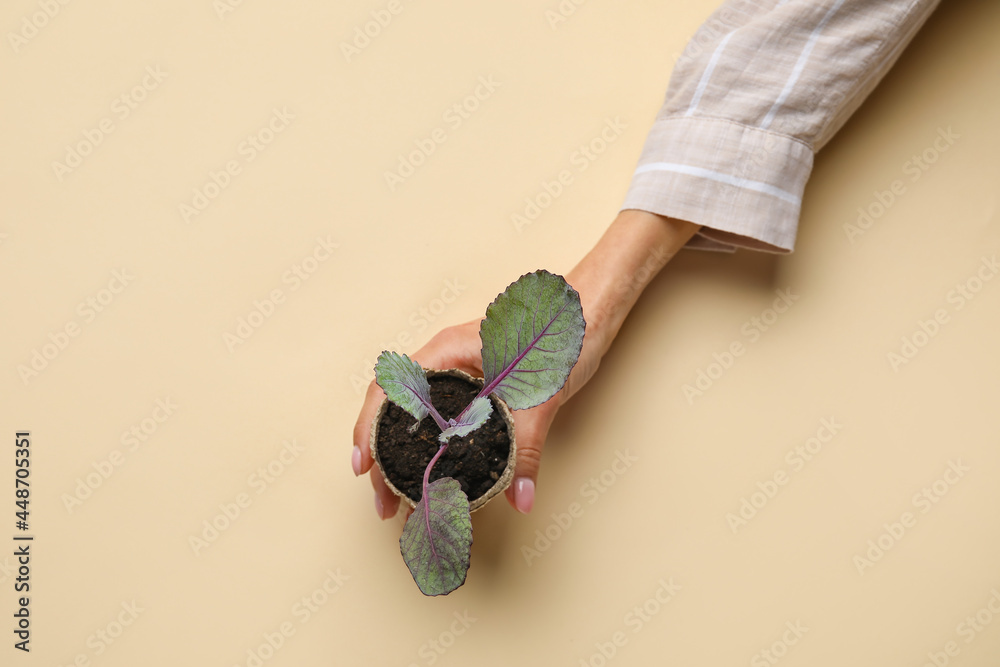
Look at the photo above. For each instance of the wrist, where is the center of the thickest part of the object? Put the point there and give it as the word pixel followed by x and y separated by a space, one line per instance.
pixel 614 273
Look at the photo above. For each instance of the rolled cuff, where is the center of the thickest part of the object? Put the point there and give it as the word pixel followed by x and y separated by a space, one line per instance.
pixel 742 184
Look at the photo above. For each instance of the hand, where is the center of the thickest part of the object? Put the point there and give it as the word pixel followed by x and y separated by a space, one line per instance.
pixel 460 347
pixel 609 279
pixel 454 347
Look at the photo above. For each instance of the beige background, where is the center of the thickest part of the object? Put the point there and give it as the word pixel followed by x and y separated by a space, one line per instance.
pixel 297 376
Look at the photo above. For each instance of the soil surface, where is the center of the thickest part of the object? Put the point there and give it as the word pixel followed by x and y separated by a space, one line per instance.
pixel 476 460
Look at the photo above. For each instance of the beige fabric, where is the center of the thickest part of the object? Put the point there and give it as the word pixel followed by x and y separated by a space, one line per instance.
pixel 759 89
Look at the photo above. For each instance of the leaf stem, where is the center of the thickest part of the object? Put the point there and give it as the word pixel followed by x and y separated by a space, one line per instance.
pixel 438 419
pixel 434 459
pixel 423 496
pixel 507 370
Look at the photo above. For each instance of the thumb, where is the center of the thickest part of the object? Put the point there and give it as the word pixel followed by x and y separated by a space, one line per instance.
pixel 454 347
pixel 531 427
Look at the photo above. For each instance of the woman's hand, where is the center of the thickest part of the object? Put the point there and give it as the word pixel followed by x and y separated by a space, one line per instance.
pixel 460 347
pixel 609 279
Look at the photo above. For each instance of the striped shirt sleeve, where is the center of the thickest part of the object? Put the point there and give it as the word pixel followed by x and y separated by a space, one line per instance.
pixel 761 87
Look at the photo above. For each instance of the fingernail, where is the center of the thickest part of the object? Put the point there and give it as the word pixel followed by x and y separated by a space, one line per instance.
pixel 524 494
pixel 378 507
pixel 356 460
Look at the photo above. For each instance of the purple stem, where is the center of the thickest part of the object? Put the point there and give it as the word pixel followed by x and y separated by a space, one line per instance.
pixel 488 389
pixel 438 419
pixel 427 505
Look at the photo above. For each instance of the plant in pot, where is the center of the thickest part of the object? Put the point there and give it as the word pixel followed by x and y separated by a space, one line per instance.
pixel 447 467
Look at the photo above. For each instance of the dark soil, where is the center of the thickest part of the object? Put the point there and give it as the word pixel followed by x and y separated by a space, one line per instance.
pixel 476 460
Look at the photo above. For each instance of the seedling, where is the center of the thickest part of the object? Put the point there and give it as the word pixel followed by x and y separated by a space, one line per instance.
pixel 532 336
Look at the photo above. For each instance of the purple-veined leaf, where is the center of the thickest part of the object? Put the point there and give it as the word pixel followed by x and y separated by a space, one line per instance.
pixel 532 337
pixel 437 539
pixel 474 416
pixel 405 384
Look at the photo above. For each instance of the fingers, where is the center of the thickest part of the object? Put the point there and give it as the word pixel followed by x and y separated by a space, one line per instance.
pixel 453 347
pixel 531 427
pixel 386 502
pixel 361 456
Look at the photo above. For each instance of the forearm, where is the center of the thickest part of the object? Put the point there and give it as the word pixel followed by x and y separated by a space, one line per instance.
pixel 614 273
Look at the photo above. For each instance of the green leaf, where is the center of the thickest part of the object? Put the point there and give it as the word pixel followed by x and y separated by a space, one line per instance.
pixel 405 384
pixel 437 539
pixel 532 337
pixel 474 416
